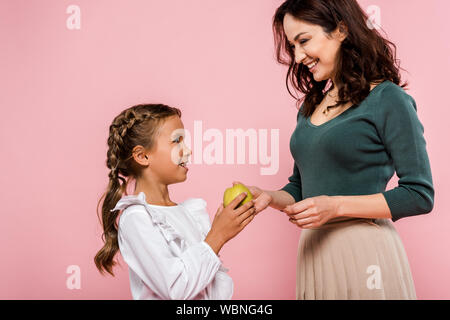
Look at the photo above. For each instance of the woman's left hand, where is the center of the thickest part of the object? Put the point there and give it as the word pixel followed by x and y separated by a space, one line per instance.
pixel 312 212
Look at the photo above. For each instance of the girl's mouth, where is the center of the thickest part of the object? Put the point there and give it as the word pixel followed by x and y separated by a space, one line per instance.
pixel 183 165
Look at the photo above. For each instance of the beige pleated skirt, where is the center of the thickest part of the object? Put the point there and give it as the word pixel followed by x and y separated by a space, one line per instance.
pixel 351 259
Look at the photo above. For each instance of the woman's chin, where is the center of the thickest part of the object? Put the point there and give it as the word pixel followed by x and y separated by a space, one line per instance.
pixel 317 77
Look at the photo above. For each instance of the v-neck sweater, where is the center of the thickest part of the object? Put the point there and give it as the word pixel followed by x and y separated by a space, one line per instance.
pixel 358 151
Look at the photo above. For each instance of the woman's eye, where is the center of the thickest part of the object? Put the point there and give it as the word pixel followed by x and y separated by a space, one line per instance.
pixel 178 140
pixel 292 46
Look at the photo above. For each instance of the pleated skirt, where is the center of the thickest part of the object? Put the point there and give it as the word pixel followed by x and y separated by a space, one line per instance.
pixel 353 259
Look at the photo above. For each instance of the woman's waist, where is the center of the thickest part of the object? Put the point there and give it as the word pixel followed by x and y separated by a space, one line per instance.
pixel 344 221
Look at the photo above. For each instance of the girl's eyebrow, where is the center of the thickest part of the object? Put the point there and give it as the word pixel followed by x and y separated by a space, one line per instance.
pixel 177 135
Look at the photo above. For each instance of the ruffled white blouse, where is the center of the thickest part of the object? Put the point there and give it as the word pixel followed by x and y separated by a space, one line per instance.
pixel 165 251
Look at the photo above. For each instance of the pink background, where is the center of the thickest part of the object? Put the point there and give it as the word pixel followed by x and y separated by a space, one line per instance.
pixel 61 88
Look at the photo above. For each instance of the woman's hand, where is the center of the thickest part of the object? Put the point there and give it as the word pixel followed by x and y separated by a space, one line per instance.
pixel 229 221
pixel 261 198
pixel 312 212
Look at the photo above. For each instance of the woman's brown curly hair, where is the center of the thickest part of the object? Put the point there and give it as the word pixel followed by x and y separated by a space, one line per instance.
pixel 364 56
pixel 137 125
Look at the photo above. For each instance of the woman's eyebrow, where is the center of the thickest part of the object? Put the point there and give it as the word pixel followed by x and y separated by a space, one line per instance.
pixel 298 35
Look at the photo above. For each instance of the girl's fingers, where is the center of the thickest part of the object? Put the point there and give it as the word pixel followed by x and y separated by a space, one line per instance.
pixel 233 204
pixel 245 215
pixel 245 207
pixel 219 210
pixel 247 220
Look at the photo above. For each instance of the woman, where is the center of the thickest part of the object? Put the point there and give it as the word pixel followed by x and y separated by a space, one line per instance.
pixel 356 125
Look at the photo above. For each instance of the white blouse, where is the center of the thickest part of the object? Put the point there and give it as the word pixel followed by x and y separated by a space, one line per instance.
pixel 166 253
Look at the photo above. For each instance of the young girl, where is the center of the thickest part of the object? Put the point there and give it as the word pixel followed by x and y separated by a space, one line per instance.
pixel 171 249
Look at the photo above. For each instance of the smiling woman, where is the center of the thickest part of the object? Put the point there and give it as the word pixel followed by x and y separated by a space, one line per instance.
pixel 343 160
pixel 335 35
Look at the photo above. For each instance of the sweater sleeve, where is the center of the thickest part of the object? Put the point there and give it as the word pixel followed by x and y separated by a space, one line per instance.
pixel 294 187
pixel 402 135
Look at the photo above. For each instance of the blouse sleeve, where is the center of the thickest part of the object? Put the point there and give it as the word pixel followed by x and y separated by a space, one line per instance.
pixel 402 135
pixel 148 254
pixel 222 286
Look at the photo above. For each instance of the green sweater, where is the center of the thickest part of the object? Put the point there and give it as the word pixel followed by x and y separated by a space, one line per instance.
pixel 357 152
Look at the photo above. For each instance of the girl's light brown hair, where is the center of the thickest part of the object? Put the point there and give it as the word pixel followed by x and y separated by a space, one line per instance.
pixel 364 56
pixel 137 125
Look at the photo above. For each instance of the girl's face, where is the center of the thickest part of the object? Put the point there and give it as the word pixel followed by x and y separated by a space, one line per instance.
pixel 166 161
pixel 312 47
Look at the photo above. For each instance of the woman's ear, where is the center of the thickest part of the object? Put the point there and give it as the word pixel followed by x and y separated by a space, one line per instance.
pixel 341 31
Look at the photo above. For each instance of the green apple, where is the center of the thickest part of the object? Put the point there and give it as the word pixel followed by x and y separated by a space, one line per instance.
pixel 233 192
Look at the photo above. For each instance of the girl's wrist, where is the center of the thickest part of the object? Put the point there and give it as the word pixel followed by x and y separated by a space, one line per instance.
pixel 215 242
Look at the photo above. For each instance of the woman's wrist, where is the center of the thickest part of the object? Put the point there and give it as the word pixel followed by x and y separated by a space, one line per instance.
pixel 280 199
pixel 272 196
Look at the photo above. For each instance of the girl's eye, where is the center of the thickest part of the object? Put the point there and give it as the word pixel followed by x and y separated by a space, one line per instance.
pixel 303 41
pixel 178 140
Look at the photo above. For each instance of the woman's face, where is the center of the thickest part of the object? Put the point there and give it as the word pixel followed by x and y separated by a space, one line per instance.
pixel 310 44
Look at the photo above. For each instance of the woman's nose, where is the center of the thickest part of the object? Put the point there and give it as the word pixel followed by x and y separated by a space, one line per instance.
pixel 299 56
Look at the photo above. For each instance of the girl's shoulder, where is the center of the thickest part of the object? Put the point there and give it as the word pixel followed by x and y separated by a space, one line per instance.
pixel 136 211
pixel 140 199
pixel 194 204
pixel 131 204
pixel 137 204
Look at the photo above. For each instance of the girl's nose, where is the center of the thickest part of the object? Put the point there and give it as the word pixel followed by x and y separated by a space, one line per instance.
pixel 186 151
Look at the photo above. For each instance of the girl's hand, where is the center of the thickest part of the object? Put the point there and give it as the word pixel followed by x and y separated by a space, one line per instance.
pixel 229 221
pixel 312 212
pixel 261 198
